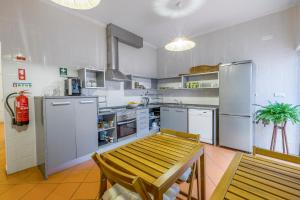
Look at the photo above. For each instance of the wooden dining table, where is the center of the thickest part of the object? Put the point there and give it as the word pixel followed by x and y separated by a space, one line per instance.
pixel 159 160
pixel 260 177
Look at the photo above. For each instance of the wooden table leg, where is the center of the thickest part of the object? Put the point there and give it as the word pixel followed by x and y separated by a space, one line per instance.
pixel 192 181
pixel 103 185
pixel 158 196
pixel 202 176
pixel 198 179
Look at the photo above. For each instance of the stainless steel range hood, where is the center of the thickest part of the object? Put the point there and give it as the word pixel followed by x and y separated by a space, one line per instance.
pixel 114 35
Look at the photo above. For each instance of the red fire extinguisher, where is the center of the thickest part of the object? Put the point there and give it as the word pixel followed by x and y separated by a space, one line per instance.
pixel 21 115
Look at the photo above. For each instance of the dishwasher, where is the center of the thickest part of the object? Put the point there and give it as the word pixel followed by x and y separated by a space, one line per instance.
pixel 201 122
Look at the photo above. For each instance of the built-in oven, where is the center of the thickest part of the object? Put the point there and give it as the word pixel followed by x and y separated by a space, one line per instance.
pixel 126 128
pixel 126 124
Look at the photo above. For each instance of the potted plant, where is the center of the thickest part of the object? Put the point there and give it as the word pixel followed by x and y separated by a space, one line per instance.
pixel 278 114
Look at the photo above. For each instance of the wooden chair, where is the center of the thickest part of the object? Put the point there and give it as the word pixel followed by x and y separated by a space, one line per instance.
pixel 127 183
pixel 195 166
pixel 188 136
pixel 276 155
pixel 132 183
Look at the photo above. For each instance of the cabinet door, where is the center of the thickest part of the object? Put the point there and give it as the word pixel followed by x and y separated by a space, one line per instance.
pixel 178 119
pixel 86 126
pixel 142 122
pixel 165 118
pixel 60 131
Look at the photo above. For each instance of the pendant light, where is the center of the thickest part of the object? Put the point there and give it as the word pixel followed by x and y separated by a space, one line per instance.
pixel 78 4
pixel 180 44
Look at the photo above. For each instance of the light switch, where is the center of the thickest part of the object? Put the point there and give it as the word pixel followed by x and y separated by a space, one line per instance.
pixel 279 94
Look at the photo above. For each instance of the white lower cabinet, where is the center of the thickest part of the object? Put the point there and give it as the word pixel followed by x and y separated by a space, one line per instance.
pixel 201 122
pixel 68 131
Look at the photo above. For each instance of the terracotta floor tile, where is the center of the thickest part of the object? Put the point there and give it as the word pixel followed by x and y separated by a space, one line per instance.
pixel 210 187
pixel 58 177
pixel 87 191
pixel 4 188
pixel 17 178
pixel 82 181
pixel 63 191
pixel 40 191
pixel 76 176
pixel 214 172
pixel 93 176
pixel 16 192
pixel 88 165
pixel 35 177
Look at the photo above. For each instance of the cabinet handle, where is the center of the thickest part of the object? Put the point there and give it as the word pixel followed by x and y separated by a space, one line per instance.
pixel 61 103
pixel 179 110
pixel 165 110
pixel 86 102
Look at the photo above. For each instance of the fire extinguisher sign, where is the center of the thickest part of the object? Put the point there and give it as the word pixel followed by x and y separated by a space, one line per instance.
pixel 21 74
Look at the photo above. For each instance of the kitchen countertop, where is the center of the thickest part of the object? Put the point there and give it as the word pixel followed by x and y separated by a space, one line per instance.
pixel 172 105
pixel 68 97
pixel 202 106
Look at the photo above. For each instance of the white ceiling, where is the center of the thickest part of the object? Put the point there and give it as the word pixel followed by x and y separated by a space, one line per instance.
pixel 158 26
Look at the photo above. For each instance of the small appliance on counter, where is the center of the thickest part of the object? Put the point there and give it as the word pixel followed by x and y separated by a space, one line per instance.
pixel 73 86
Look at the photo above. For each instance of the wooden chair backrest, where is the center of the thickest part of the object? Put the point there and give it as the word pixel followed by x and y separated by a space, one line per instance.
pixel 276 155
pixel 189 136
pixel 133 183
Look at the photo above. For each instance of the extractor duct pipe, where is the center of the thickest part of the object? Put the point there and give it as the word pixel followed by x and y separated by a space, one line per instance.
pixel 115 35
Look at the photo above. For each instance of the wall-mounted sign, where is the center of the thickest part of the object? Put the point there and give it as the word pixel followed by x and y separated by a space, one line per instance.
pixel 63 72
pixel 21 74
pixel 22 85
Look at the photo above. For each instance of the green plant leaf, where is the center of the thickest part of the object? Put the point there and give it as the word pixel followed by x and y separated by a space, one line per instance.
pixel 278 113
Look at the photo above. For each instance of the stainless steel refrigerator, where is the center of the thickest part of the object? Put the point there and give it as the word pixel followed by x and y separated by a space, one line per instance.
pixel 237 96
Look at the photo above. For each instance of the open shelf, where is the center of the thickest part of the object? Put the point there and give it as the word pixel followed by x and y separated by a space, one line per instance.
pixel 154 117
pixel 106 129
pixel 92 78
pixel 140 83
pixel 209 80
pixel 169 83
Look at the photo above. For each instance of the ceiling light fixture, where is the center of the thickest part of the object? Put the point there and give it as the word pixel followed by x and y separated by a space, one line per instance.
pixel 78 4
pixel 180 44
pixel 177 8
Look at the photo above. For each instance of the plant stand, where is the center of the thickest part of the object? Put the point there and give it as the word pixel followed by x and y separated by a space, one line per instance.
pixel 284 138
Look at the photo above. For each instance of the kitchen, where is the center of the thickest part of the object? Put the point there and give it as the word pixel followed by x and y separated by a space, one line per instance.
pixel 36 31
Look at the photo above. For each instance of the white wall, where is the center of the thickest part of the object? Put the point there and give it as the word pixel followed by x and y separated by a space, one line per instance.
pixel 297 26
pixel 1 92
pixel 51 38
pixel 269 42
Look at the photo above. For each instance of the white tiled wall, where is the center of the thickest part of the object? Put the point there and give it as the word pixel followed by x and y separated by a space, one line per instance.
pixel 297 26
pixel 51 38
pixel 268 41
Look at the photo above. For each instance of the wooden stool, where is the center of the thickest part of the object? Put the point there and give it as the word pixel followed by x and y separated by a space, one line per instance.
pixel 284 138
